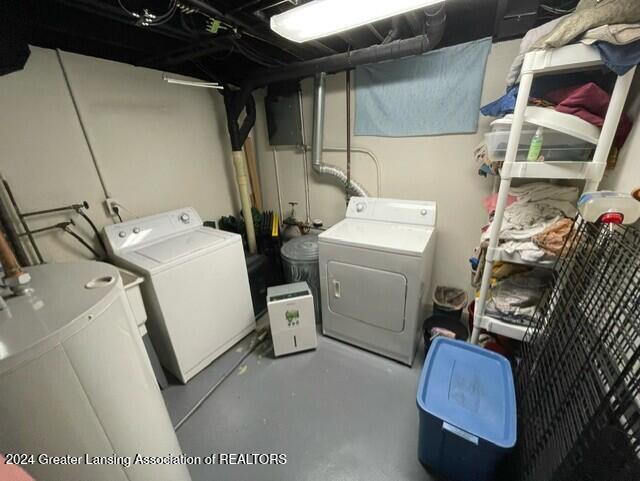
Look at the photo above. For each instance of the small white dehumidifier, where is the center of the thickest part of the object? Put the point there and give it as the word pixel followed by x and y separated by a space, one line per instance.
pixel 292 318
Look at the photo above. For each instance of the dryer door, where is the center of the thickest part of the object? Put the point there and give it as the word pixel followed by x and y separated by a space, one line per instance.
pixel 367 295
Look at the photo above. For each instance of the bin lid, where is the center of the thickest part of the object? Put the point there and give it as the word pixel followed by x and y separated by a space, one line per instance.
pixel 470 388
pixel 303 248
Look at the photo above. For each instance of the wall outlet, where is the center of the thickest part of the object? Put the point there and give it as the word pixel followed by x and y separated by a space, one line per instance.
pixel 112 206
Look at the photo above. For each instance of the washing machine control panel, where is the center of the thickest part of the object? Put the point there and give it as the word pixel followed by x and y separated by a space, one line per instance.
pixel 393 210
pixel 140 231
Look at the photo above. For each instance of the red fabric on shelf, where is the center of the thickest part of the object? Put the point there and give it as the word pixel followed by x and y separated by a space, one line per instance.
pixel 12 472
pixel 590 103
pixel 491 201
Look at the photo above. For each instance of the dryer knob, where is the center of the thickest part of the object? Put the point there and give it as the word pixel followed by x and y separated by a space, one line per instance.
pixel 122 234
pixel 423 212
pixel 184 217
pixel 360 206
pixel 136 230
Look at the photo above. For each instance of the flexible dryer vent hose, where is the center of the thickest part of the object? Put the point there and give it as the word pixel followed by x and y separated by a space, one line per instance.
pixel 353 187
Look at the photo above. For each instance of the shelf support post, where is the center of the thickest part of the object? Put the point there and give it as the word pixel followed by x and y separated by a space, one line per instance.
pixel 503 194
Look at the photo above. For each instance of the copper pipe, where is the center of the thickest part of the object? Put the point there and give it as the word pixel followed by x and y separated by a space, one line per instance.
pixel 8 259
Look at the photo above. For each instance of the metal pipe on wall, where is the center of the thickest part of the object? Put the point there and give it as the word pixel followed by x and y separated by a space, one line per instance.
pixel 348 98
pixel 278 188
pixel 352 187
pixel 14 276
pixel 434 29
pixel 83 127
pixel 11 232
pixel 305 161
pixel 16 209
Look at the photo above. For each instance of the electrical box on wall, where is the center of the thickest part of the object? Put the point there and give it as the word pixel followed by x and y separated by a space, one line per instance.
pixel 515 17
pixel 283 114
pixel 292 318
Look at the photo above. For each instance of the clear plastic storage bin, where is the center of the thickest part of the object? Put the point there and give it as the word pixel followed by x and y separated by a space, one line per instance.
pixel 565 137
pixel 556 146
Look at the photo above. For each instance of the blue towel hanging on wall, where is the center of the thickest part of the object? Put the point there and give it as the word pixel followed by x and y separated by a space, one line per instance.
pixel 432 94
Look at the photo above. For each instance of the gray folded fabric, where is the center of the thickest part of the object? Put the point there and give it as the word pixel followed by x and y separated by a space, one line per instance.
pixel 619 34
pixel 514 299
pixel 590 14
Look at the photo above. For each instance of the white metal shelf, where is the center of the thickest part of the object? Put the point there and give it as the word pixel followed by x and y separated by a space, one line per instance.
pixel 565 59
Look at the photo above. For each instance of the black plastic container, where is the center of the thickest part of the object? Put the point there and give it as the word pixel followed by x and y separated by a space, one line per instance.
pixel 443 325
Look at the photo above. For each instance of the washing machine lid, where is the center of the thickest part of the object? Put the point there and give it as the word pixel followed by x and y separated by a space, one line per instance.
pixel 181 245
pixel 405 239
pixel 167 253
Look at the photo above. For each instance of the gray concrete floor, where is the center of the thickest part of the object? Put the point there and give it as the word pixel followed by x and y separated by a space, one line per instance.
pixel 338 413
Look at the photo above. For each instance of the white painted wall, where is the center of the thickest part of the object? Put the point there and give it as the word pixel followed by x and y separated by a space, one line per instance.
pixel 160 146
pixel 439 168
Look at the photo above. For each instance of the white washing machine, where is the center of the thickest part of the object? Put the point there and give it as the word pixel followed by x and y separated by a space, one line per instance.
pixel 375 275
pixel 75 381
pixel 197 288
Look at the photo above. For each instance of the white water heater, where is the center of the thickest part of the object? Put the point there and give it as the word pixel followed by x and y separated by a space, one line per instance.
pixel 78 396
pixel 292 318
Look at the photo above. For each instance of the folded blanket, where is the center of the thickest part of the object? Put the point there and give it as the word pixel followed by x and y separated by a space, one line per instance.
pixel 619 58
pixel 590 103
pixel 553 238
pixel 539 205
pixel 544 190
pixel 525 249
pixel 619 34
pixel 514 299
pixel 590 14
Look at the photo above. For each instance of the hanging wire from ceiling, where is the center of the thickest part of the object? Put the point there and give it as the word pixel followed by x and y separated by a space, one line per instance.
pixel 146 18
pixel 254 55
pixel 212 25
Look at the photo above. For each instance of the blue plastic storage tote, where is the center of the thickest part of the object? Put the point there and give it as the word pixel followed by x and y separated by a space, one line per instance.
pixel 467 405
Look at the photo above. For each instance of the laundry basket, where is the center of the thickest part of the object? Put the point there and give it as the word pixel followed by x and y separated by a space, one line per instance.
pixel 300 263
pixel 449 301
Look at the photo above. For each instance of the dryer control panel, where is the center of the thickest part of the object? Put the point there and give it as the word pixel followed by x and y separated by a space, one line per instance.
pixel 393 210
pixel 144 230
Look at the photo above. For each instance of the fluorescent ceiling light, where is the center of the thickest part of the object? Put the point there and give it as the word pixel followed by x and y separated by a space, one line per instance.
pixel 321 18
pixel 191 83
